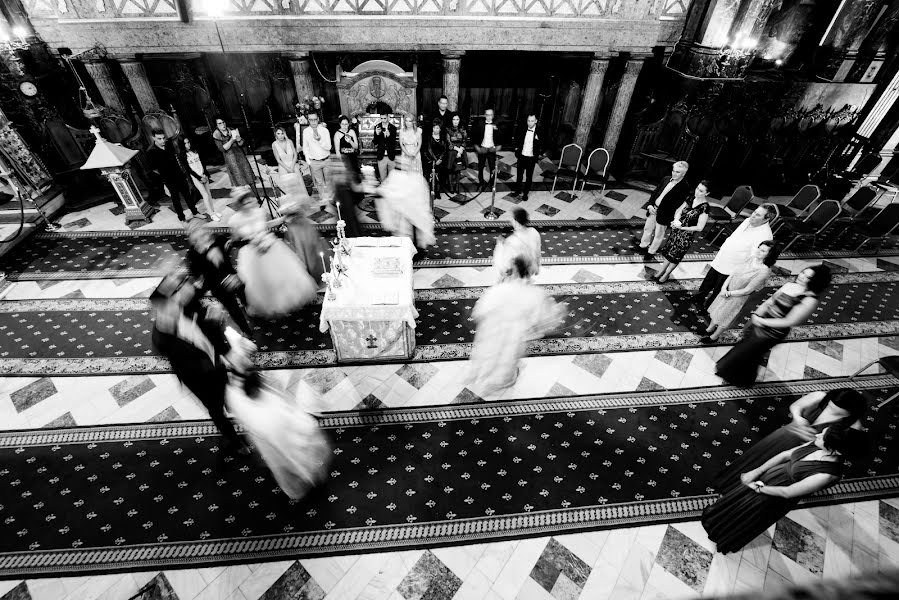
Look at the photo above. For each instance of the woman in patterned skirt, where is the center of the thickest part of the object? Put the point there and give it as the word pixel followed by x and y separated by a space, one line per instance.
pixel 689 220
pixel 230 144
pixel 737 288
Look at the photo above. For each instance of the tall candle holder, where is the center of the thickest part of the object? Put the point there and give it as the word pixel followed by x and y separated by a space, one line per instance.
pixel 327 279
pixel 341 238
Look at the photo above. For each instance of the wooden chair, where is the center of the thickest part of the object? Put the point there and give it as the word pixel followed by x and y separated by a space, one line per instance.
pixel 815 223
pixel 568 167
pixel 594 171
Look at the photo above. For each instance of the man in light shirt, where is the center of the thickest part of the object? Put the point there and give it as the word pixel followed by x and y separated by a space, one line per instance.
pixel 317 150
pixel 528 148
pixel 487 142
pixel 661 206
pixel 735 251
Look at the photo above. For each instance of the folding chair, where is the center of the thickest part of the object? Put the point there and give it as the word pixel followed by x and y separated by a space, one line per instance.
pixel 857 207
pixel 595 169
pixel 890 364
pixel 883 225
pixel 726 214
pixel 814 224
pixel 799 205
pixel 568 166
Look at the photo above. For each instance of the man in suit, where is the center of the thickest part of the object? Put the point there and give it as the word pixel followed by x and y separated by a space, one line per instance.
pixel 443 113
pixel 209 262
pixel 661 206
pixel 487 139
pixel 191 337
pixel 164 163
pixel 528 148
pixel 385 146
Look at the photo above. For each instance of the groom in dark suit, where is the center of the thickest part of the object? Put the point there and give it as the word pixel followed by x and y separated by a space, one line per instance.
pixel 528 148
pixel 193 340
pixel 661 206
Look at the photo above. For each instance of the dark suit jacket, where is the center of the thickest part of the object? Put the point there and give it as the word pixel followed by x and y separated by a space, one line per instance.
pixel 165 163
pixel 670 202
pixel 201 266
pixel 385 143
pixel 477 134
pixel 519 143
pixel 446 119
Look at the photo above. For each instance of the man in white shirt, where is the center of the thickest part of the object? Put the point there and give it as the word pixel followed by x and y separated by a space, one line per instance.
pixel 317 150
pixel 661 206
pixel 735 252
pixel 528 148
pixel 487 142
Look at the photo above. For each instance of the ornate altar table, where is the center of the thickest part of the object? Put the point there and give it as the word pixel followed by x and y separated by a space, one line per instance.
pixel 372 316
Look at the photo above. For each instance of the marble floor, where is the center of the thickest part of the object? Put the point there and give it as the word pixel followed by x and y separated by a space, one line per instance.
pixel 648 562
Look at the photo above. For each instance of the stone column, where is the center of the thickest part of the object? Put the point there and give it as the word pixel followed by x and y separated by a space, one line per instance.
pixel 137 77
pixel 99 72
pixel 590 99
pixel 724 13
pixel 452 61
pixel 622 102
pixel 302 80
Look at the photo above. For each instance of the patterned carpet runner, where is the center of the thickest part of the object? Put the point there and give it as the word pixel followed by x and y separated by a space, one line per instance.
pixel 86 255
pixel 141 497
pixel 90 336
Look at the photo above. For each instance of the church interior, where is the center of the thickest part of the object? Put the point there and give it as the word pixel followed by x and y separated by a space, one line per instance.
pixel 414 141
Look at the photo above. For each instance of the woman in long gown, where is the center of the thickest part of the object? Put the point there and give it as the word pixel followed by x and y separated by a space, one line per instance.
pixel 737 288
pixel 285 153
pixel 457 162
pixel 410 144
pixel 287 439
pixel 788 307
pixel 436 153
pixel 690 219
pixel 275 280
pixel 766 494
pixel 230 144
pixel 200 178
pixel 524 242
pixel 508 316
pixel 404 207
pixel 810 415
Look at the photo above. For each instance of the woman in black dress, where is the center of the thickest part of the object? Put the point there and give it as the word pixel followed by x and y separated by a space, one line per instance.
pixel 456 162
pixel 347 144
pixel 689 220
pixel 788 307
pixel 810 414
pixel 436 151
pixel 766 494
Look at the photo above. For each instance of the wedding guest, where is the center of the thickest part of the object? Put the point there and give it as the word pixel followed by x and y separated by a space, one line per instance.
pixel 304 239
pixel 163 160
pixel 230 144
pixel 190 336
pixel 436 153
pixel 404 206
pixel 210 263
pixel 285 153
pixel 528 148
pixel 508 316
pixel 457 161
pixel 767 493
pixel 317 150
pixel 443 114
pixel 410 144
pixel 347 143
pixel 689 219
pixel 737 288
pixel 810 415
pixel 662 204
pixel 735 252
pixel 200 178
pixel 788 307
pixel 524 243
pixel 275 280
pixel 487 142
pixel 385 140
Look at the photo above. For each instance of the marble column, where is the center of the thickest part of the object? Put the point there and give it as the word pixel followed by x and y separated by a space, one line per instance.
pixel 717 31
pixel 590 99
pixel 622 102
pixel 452 61
pixel 302 80
pixel 137 77
pixel 100 73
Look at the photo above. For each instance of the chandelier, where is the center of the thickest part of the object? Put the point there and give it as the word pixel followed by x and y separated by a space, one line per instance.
pixel 12 40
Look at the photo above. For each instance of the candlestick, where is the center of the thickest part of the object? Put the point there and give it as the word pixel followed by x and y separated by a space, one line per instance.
pixel 337 204
pixel 322 256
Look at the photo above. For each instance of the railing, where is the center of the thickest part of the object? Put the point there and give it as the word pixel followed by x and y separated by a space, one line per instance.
pixel 169 9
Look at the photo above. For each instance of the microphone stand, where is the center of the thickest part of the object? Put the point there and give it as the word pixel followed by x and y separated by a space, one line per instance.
pixel 492 214
pixel 269 202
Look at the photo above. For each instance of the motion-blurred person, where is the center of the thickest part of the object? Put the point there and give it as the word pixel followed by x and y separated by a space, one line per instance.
pixel 508 316
pixel 210 263
pixel 809 414
pixel 275 280
pixel 767 493
pixel 524 243
pixel 304 239
pixel 348 192
pixel 192 339
pixel 404 206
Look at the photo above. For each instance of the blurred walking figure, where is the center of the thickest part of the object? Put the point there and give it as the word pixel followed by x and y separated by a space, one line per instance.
pixel 276 282
pixel 404 205
pixel 304 239
pixel 348 192
pixel 524 242
pixel 508 316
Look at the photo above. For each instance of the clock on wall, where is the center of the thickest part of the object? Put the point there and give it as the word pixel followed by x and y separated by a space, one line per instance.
pixel 28 88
